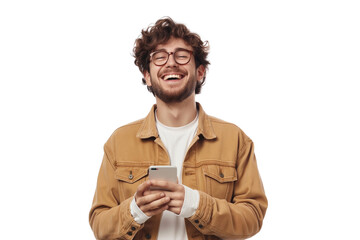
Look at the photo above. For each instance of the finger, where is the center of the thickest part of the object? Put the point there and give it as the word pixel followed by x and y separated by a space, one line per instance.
pixel 149 198
pixel 148 192
pixel 157 211
pixel 175 195
pixel 175 210
pixel 154 204
pixel 142 187
pixel 176 203
pixel 165 185
pixel 171 195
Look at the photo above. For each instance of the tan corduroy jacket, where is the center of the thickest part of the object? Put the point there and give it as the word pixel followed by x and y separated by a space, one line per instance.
pixel 220 163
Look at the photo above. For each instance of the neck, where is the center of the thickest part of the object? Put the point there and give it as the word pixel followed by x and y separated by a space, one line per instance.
pixel 176 114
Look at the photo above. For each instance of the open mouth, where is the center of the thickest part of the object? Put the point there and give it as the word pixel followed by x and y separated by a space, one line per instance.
pixel 173 77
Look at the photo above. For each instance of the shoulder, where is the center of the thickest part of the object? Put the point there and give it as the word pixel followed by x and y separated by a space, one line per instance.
pixel 129 128
pixel 226 128
pixel 221 124
pixel 218 121
pixel 126 131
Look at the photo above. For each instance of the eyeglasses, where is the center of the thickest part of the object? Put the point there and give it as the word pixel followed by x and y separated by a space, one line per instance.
pixel 181 56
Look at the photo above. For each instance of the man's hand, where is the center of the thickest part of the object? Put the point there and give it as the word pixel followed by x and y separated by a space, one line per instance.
pixel 175 192
pixel 152 203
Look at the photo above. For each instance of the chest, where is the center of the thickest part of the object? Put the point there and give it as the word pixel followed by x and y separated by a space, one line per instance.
pixel 206 167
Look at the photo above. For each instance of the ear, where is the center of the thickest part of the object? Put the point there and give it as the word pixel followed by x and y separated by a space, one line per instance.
pixel 200 72
pixel 147 78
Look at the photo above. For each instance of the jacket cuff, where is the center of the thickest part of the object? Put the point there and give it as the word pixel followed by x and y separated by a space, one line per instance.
pixel 130 226
pixel 202 216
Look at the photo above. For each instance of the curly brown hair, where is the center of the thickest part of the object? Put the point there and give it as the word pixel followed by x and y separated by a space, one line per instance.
pixel 160 33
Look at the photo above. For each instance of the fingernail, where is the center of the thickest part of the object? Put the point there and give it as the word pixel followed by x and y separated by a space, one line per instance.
pixel 162 194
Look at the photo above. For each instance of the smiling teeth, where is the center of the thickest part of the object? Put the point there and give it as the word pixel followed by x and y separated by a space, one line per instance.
pixel 172 76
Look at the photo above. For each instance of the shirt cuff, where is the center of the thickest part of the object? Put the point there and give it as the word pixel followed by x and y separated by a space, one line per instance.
pixel 191 202
pixel 137 214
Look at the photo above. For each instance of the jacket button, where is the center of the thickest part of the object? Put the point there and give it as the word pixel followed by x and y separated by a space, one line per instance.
pixel 201 226
pixel 196 221
pixel 133 228
pixel 148 236
pixel 221 175
pixel 129 233
pixel 131 176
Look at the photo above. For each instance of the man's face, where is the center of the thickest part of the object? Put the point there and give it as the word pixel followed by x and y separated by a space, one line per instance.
pixel 173 82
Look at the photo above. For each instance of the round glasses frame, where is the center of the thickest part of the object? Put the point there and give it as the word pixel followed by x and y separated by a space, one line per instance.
pixel 161 63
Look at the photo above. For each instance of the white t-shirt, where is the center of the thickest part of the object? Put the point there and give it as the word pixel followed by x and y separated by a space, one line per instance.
pixel 177 141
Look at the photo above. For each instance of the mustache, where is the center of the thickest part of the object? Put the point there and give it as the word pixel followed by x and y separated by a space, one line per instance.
pixel 174 71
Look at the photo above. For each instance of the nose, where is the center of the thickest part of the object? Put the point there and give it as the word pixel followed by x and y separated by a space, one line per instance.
pixel 171 61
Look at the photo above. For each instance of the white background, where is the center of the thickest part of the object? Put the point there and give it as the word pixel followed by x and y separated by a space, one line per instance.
pixel 286 72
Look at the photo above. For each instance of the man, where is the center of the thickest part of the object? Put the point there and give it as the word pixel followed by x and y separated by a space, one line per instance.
pixel 219 194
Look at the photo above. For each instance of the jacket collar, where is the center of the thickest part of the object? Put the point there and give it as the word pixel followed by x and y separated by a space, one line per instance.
pixel 148 127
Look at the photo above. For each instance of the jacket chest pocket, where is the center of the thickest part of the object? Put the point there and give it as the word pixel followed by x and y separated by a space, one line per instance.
pixel 219 181
pixel 129 179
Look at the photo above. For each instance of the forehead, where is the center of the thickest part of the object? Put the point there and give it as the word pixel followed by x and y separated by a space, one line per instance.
pixel 173 44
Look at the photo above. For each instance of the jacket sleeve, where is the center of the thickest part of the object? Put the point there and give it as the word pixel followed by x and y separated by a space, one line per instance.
pixel 242 217
pixel 109 218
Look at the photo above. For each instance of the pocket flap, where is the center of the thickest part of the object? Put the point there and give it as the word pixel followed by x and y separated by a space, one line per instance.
pixel 130 175
pixel 221 174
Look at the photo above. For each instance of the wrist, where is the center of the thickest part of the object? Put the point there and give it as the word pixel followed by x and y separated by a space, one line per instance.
pixel 191 202
pixel 139 216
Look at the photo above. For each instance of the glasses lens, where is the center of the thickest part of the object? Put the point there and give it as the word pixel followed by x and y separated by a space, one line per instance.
pixel 182 56
pixel 160 58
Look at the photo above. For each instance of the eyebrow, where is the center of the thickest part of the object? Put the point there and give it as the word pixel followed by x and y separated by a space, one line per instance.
pixel 176 49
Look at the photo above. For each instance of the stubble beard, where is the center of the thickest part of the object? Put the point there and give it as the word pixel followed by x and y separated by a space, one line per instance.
pixel 173 97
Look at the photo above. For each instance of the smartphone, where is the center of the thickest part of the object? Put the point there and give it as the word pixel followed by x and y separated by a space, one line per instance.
pixel 166 173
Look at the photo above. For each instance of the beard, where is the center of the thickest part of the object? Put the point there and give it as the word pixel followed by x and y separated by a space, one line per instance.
pixel 174 96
